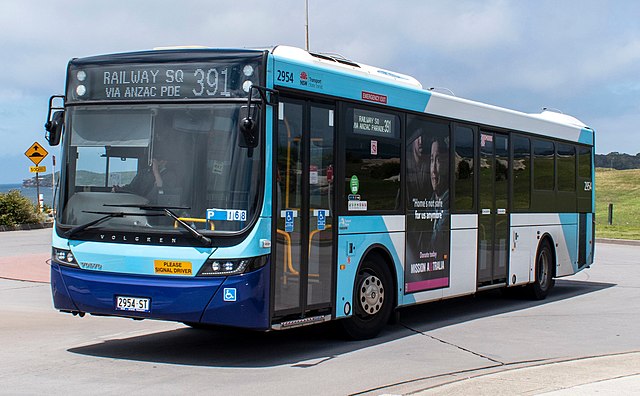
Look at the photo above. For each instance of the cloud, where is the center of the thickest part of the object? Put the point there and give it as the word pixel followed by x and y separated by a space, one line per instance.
pixel 10 95
pixel 39 38
pixel 615 58
pixel 465 26
pixel 618 133
pixel 581 56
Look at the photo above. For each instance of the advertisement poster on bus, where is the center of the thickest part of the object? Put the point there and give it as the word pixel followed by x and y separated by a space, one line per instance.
pixel 428 217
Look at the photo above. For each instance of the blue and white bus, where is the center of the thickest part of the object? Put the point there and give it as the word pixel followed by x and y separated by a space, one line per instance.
pixel 270 189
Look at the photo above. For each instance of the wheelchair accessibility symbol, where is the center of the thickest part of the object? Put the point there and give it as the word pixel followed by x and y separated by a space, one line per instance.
pixel 229 294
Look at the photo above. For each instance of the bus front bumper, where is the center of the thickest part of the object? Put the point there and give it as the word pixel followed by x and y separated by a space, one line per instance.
pixel 240 301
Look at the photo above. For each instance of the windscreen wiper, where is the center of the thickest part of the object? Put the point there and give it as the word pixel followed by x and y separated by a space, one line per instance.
pixel 107 215
pixel 146 207
pixel 166 211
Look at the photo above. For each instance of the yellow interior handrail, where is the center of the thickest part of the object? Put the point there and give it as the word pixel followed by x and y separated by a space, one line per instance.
pixel 288 256
pixel 314 232
pixel 195 220
pixel 288 265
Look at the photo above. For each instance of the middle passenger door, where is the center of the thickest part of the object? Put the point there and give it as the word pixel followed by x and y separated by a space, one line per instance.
pixel 303 209
pixel 493 219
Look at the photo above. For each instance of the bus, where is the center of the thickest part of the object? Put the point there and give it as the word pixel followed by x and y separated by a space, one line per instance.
pixel 276 188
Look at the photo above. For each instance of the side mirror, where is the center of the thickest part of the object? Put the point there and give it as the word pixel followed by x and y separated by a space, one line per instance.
pixel 248 131
pixel 54 128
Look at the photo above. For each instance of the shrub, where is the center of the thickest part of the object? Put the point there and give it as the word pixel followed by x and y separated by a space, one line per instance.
pixel 16 209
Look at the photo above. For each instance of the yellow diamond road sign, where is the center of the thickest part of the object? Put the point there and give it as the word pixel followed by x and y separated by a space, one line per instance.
pixel 36 153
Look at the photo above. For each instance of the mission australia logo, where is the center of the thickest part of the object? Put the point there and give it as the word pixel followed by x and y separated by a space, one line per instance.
pixel 307 80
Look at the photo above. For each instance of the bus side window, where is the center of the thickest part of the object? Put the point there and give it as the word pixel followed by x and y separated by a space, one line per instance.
pixel 521 166
pixel 584 162
pixel 464 185
pixel 566 162
pixel 585 183
pixel 543 165
pixel 372 161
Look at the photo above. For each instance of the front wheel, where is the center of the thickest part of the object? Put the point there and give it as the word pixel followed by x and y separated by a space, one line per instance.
pixel 372 300
pixel 540 288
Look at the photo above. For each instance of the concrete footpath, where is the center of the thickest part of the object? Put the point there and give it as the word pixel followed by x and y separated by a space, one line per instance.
pixel 602 375
pixel 24 256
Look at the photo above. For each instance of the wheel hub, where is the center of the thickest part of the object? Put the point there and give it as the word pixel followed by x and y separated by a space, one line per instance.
pixel 543 268
pixel 371 294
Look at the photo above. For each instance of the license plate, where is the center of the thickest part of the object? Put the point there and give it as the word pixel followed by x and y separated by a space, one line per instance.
pixel 135 304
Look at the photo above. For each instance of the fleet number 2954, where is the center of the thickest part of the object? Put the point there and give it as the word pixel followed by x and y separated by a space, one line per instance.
pixel 284 76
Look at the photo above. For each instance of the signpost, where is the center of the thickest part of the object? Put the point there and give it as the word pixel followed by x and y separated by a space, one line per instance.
pixel 36 153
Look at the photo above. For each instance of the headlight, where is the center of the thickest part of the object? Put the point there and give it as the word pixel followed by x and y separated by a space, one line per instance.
pixel 224 267
pixel 64 257
pixel 248 70
pixel 81 90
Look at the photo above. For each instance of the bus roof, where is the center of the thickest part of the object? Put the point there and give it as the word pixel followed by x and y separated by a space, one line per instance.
pixel 335 61
pixel 547 122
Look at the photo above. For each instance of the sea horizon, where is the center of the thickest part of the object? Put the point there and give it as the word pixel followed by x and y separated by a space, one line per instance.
pixel 29 192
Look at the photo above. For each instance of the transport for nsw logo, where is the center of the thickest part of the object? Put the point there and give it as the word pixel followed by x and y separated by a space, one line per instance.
pixel 309 81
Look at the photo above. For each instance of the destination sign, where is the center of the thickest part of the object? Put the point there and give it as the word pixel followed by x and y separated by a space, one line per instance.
pixel 166 81
pixel 374 123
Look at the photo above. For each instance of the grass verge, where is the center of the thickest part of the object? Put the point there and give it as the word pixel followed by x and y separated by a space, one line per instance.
pixel 622 189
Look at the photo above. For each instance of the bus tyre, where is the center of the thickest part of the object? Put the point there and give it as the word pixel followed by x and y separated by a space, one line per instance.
pixel 540 288
pixel 372 300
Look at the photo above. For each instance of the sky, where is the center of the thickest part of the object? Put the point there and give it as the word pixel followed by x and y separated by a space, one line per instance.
pixel 581 57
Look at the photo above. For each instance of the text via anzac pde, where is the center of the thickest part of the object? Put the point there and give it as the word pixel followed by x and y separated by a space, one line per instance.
pixel 142 83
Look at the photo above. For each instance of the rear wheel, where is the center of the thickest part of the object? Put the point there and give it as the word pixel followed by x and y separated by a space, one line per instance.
pixel 540 288
pixel 372 300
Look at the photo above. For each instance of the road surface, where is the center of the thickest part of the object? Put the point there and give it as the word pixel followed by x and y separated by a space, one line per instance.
pixel 584 336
